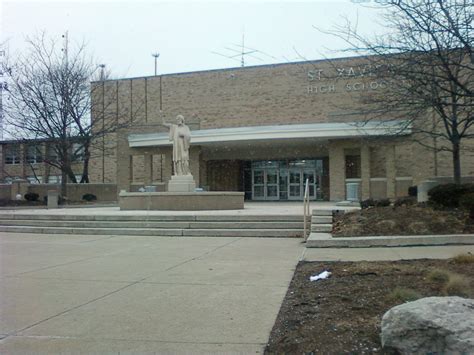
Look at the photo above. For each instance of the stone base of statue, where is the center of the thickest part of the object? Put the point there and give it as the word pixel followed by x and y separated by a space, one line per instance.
pixel 181 201
pixel 181 183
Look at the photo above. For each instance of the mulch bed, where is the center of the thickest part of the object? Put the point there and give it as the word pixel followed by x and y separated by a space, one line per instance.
pixel 402 220
pixel 342 314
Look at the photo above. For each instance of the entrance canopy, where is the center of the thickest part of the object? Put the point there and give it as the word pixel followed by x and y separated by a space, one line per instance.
pixel 268 133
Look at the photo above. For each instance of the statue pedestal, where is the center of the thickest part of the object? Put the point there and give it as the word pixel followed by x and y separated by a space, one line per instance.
pixel 181 183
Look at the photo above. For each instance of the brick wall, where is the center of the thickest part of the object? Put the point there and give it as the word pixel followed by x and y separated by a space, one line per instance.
pixel 307 92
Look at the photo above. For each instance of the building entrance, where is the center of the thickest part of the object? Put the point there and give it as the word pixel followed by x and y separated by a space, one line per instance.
pixel 284 180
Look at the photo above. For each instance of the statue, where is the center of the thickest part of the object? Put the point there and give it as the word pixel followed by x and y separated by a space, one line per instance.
pixel 180 135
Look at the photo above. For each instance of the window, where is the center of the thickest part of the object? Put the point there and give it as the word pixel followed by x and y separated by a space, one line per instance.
pixel 78 152
pixel 33 154
pixel 52 153
pixel 54 179
pixel 352 166
pixel 12 155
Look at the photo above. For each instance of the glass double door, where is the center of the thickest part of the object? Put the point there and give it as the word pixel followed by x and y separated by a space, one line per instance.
pixel 283 184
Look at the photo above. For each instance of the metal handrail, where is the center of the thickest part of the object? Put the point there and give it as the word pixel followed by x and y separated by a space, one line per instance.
pixel 306 210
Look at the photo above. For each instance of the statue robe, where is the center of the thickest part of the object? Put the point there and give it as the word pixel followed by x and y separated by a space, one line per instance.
pixel 181 138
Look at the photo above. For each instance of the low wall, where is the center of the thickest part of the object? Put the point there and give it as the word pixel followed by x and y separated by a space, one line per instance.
pixel 104 192
pixel 181 201
pixel 5 191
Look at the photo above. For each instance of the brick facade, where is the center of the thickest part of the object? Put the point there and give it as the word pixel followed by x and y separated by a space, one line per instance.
pixel 293 93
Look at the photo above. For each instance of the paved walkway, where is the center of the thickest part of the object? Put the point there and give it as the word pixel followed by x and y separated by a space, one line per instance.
pixel 250 208
pixel 104 294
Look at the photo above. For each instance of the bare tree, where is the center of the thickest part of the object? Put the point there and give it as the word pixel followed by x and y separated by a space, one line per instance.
pixel 426 63
pixel 49 98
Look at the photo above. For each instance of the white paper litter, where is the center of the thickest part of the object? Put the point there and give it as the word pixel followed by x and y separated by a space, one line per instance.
pixel 321 276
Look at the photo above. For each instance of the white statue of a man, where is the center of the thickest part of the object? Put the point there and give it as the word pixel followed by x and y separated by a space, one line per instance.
pixel 180 135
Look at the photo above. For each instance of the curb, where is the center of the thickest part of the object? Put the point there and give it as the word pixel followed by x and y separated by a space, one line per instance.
pixel 326 240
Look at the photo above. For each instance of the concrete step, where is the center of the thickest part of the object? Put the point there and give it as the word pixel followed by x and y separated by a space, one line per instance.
pixel 325 240
pixel 321 219
pixel 317 212
pixel 282 233
pixel 155 224
pixel 157 218
pixel 321 228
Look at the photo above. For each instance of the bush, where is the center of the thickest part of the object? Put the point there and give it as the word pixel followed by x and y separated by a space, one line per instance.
pixel 439 276
pixel 405 201
pixel 404 294
pixel 89 197
pixel 467 202
pixel 413 191
pixel 384 202
pixel 457 286
pixel 464 259
pixel 449 195
pixel 31 196
pixel 367 203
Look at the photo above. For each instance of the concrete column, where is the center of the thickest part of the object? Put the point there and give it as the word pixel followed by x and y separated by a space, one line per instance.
pixel 390 169
pixel 365 171
pixel 337 173
pixel 148 161
pixel 168 164
pixel 194 163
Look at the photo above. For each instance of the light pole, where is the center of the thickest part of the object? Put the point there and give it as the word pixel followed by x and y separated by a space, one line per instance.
pixel 102 73
pixel 156 55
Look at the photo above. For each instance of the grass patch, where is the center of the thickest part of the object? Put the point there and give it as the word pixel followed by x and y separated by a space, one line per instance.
pixel 439 276
pixel 464 259
pixel 457 286
pixel 402 294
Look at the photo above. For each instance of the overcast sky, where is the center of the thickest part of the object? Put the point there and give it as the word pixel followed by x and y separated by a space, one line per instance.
pixel 124 34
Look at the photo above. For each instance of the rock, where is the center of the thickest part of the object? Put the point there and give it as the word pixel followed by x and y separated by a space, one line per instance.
pixel 442 325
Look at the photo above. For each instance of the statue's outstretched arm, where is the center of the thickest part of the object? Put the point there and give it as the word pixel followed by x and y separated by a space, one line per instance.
pixel 163 120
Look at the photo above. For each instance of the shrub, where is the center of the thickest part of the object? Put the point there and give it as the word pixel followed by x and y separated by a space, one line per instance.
pixel 439 276
pixel 367 203
pixel 448 195
pixel 464 259
pixel 405 201
pixel 467 202
pixel 413 191
pixel 457 286
pixel 404 294
pixel 89 197
pixel 384 202
pixel 31 196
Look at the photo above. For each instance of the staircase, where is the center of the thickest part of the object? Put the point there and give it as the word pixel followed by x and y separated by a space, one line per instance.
pixel 321 221
pixel 282 226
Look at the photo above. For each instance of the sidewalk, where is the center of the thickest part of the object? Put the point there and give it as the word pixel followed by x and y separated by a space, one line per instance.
pixel 141 295
pixel 250 208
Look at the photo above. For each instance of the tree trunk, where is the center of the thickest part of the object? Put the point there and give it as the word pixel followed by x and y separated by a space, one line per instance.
pixel 456 163
pixel 63 183
pixel 85 169
pixel 71 175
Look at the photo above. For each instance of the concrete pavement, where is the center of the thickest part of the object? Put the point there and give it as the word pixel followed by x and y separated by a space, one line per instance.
pixel 142 294
pixel 110 294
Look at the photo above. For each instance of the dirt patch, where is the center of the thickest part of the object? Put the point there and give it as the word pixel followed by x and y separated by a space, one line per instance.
pixel 402 220
pixel 342 314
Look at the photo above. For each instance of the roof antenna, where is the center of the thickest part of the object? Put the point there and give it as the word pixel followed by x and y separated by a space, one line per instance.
pixel 234 51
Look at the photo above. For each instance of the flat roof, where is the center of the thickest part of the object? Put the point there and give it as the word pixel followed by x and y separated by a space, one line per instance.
pixel 279 132
pixel 301 62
